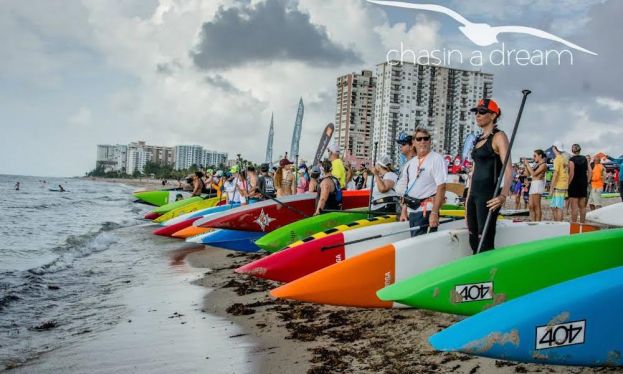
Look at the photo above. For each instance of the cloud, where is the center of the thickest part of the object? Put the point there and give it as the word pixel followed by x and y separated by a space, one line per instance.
pixel 81 118
pixel 268 31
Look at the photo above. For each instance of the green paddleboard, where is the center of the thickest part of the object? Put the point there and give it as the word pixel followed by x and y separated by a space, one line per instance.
pixel 286 235
pixel 473 284
pixel 176 204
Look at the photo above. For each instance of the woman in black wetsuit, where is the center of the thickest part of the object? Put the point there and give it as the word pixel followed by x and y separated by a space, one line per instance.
pixel 488 155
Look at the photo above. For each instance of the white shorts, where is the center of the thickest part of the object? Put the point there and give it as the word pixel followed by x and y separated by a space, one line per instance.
pixel 595 196
pixel 537 187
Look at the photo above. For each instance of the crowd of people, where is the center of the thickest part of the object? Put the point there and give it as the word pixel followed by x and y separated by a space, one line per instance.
pixel 575 184
pixel 417 191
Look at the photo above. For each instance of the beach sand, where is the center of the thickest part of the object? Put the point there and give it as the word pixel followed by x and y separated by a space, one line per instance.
pixel 294 337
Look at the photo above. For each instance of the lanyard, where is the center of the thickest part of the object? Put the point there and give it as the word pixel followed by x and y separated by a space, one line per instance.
pixel 417 173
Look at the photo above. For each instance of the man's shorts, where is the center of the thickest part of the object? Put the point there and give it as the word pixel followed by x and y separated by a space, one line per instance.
pixel 595 196
pixel 558 199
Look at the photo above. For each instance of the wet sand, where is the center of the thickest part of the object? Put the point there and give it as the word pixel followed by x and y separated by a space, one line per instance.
pixel 294 337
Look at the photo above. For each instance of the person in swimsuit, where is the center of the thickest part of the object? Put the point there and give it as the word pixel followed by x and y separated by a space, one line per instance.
pixel 284 179
pixel 329 195
pixel 488 155
pixel 537 187
pixel 579 175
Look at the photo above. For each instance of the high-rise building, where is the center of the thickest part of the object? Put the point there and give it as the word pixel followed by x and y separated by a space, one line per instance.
pixel 158 154
pixel 137 159
pixel 112 157
pixel 437 98
pixel 187 156
pixel 213 158
pixel 354 115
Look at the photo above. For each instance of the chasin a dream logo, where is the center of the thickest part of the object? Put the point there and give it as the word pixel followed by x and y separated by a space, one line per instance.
pixel 483 35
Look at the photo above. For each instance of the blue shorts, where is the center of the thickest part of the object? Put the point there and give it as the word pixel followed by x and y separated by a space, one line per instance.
pixel 417 219
pixel 558 199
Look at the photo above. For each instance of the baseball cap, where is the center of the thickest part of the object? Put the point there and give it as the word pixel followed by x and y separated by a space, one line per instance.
pixel 559 146
pixel 385 161
pixel 487 104
pixel 403 138
pixel 264 168
pixel 284 162
pixel 315 169
pixel 333 148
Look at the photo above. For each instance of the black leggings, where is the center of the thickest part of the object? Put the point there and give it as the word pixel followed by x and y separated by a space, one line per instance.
pixel 476 216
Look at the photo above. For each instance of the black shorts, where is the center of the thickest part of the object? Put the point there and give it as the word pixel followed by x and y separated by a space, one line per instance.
pixel 577 191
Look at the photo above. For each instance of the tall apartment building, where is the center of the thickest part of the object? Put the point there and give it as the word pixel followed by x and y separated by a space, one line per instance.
pixel 354 115
pixel 438 98
pixel 189 155
pixel 213 158
pixel 137 159
pixel 112 157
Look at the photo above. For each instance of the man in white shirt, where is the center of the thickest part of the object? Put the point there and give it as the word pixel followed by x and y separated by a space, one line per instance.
pixel 422 184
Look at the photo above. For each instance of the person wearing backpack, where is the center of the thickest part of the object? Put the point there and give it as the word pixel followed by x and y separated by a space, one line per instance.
pixel 266 184
pixel 329 191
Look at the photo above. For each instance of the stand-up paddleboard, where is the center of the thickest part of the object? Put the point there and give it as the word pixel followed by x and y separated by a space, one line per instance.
pixel 172 229
pixel 269 215
pixel 578 322
pixel 190 231
pixel 611 215
pixel 160 198
pixel 610 195
pixel 378 220
pixel 243 241
pixel 473 284
pixel 283 236
pixel 176 204
pixel 294 263
pixel 189 208
pixel 354 282
pixel 200 213
pixel 303 229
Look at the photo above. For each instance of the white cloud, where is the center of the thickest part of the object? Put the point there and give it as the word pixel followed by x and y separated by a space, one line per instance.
pixel 81 118
pixel 610 103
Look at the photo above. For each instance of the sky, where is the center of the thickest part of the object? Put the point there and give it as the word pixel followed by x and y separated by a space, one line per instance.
pixel 74 74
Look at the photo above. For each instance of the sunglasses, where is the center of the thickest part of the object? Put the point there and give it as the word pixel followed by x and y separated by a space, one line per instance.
pixel 482 111
pixel 422 138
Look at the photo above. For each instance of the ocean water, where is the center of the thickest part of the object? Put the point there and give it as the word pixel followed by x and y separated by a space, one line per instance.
pixel 77 268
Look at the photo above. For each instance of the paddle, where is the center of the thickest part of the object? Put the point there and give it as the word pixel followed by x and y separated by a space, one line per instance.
pixel 376 144
pixel 506 159
pixel 326 248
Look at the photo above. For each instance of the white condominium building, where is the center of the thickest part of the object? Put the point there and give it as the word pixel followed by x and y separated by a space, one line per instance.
pixel 354 115
pixel 112 157
pixel 189 155
pixel 437 98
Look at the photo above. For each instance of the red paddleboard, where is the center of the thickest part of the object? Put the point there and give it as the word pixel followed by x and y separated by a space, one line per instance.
pixel 152 215
pixel 269 215
pixel 170 230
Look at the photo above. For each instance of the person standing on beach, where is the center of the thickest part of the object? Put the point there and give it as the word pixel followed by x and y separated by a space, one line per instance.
pixel 329 190
pixel 384 197
pixel 560 181
pixel 198 185
pixel 537 187
pixel 488 154
pixel 16 186
pixel 406 148
pixel 252 184
pixel 423 186
pixel 597 184
pixel 266 184
pixel 284 179
pixel 619 162
pixel 579 175
pixel 303 183
pixel 337 166
pixel 314 177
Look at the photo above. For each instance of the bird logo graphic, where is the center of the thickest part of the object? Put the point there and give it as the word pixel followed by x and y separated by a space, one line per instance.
pixel 481 34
